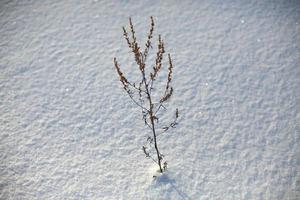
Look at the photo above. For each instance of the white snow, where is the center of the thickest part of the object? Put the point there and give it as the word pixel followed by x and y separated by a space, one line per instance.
pixel 68 130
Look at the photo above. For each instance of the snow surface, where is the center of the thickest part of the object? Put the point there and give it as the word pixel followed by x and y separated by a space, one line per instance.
pixel 68 130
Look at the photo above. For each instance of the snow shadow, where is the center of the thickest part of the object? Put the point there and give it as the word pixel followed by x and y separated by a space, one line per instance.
pixel 165 180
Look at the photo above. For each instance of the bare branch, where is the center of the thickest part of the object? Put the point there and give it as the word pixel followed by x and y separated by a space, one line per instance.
pixel 148 154
pixel 167 96
pixel 172 124
pixel 160 106
pixel 137 88
pixel 131 97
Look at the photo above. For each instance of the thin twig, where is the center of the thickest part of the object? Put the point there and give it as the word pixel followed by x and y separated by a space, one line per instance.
pixel 136 101
pixel 132 85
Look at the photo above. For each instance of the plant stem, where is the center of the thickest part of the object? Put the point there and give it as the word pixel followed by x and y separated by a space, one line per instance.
pixel 152 123
pixel 155 143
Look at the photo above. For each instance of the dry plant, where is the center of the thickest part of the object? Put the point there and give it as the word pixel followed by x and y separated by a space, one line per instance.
pixel 141 93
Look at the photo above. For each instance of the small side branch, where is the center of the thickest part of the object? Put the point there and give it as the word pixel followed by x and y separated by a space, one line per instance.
pixel 148 154
pixel 131 97
pixel 160 106
pixel 134 86
pixel 172 124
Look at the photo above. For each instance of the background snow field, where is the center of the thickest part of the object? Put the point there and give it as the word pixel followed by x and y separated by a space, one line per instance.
pixel 69 131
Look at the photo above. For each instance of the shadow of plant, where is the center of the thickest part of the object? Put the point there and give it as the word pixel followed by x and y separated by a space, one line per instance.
pixel 164 179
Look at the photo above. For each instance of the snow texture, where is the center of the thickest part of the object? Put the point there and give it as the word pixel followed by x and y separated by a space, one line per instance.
pixel 68 130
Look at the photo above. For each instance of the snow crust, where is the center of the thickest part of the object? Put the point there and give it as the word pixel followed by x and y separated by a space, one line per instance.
pixel 68 130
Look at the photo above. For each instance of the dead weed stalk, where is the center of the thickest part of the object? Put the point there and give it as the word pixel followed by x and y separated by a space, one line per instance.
pixel 141 93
